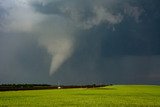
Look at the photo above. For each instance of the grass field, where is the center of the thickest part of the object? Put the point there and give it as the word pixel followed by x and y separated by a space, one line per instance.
pixel 110 96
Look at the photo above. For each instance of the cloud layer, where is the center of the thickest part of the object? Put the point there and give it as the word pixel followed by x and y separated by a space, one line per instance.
pixel 75 30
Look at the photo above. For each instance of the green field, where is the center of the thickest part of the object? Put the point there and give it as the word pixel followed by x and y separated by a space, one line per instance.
pixel 109 96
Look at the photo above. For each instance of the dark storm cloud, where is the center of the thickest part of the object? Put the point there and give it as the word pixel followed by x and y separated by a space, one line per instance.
pixel 80 41
pixel 85 13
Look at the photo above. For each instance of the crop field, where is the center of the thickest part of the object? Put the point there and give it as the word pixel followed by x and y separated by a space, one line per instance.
pixel 109 96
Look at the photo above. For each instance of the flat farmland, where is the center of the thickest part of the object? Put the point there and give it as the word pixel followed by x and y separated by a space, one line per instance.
pixel 109 96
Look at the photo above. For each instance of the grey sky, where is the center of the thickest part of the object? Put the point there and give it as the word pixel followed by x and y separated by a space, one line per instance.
pixel 79 41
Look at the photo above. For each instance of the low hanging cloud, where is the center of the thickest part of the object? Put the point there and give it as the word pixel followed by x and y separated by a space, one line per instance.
pixel 83 16
pixel 56 23
pixel 133 11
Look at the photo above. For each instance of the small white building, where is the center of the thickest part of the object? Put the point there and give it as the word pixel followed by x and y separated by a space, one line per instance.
pixel 59 87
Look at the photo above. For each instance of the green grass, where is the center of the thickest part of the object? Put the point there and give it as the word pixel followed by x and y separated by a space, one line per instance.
pixel 112 96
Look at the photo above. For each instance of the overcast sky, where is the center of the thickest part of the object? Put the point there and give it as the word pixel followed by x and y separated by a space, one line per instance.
pixel 80 41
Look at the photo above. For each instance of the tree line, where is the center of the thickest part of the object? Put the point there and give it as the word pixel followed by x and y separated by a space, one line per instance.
pixel 16 87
